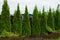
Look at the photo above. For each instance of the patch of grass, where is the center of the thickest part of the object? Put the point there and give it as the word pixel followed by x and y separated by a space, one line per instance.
pixel 8 34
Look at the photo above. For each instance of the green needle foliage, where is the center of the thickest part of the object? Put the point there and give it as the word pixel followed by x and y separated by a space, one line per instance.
pixel 35 24
pixel 43 22
pixel 26 24
pixel 17 22
pixel 39 19
pixel 13 28
pixel 51 19
pixel 54 16
pixel 39 15
pixel 5 17
pixel 57 21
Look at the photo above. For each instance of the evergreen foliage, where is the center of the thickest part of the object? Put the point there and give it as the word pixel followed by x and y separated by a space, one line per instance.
pixel 26 24
pixel 43 22
pixel 35 24
pixel 40 19
pixel 17 22
pixel 5 17
pixel 57 21
pixel 51 19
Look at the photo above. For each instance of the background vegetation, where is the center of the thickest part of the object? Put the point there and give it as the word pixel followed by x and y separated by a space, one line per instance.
pixel 42 22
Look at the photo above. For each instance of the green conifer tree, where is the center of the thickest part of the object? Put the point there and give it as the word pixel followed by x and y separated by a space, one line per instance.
pixel 35 24
pixel 26 31
pixel 39 19
pixel 57 17
pixel 43 22
pixel 5 17
pixel 17 22
pixel 54 16
pixel 51 20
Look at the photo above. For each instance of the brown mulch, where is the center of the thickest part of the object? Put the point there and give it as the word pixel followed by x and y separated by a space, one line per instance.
pixel 52 35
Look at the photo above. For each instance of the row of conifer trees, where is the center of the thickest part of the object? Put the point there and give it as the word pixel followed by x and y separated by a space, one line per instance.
pixel 41 21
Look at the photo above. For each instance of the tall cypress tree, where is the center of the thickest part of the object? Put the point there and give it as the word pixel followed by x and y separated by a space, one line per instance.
pixel 43 22
pixel 26 31
pixel 54 16
pixel 35 24
pixel 57 17
pixel 17 22
pixel 13 24
pixel 51 20
pixel 39 19
pixel 5 16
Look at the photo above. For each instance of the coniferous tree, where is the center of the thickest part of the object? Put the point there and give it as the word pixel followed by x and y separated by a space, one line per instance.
pixel 39 19
pixel 51 20
pixel 5 17
pixel 57 17
pixel 54 16
pixel 13 24
pixel 17 22
pixel 26 31
pixel 43 22
pixel 35 24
